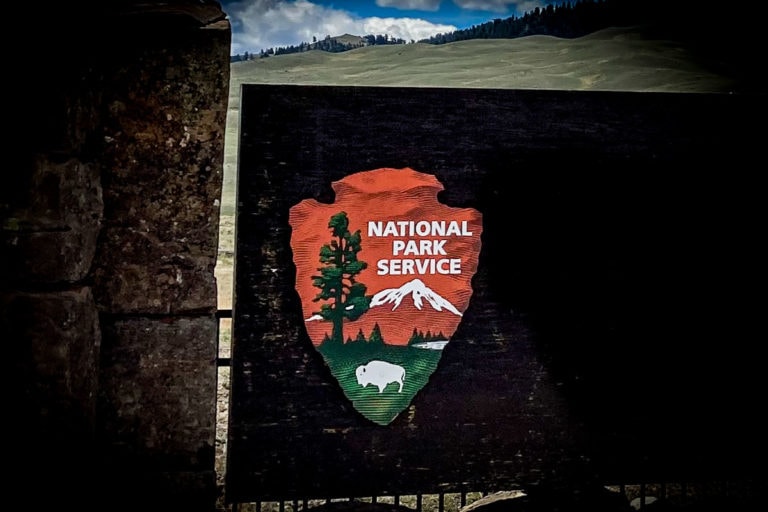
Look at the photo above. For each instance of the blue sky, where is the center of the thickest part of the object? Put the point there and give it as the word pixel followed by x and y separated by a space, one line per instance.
pixel 262 24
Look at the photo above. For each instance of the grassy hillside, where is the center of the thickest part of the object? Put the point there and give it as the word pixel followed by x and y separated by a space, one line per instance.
pixel 612 59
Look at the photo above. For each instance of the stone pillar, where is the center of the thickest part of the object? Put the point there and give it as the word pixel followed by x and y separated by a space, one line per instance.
pixel 164 118
pixel 51 210
pixel 109 239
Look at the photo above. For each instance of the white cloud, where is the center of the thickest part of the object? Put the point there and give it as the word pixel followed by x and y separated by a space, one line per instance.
pixel 405 28
pixel 417 5
pixel 261 24
pixel 501 6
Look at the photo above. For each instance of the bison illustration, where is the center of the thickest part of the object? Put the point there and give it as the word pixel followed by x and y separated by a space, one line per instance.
pixel 380 373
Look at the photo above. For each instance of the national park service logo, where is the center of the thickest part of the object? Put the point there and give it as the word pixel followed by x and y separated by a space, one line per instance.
pixel 384 276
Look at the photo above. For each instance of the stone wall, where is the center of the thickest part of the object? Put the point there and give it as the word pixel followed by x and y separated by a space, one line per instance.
pixel 109 242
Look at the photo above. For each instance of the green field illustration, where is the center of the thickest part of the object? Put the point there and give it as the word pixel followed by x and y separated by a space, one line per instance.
pixel 380 406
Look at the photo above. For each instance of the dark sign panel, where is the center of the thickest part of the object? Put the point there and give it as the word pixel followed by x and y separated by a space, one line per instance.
pixel 585 258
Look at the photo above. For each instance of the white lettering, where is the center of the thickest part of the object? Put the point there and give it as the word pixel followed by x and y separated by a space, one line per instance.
pixel 422 228
pixel 374 228
pixel 453 229
pixel 390 229
pixel 396 267
pixel 419 247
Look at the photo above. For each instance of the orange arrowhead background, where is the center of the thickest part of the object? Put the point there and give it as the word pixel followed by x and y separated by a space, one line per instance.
pixel 386 194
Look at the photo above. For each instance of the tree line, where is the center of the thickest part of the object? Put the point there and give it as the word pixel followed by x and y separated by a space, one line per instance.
pixel 565 20
pixel 329 44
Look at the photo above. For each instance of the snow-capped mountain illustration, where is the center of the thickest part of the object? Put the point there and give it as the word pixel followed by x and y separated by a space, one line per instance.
pixel 418 292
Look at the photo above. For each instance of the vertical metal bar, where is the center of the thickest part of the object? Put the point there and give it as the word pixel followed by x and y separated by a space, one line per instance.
pixel 397 500
pixel 418 503
pixel 463 499
pixel 642 495
pixel 282 506
pixel 305 504
pixel 441 502
pixel 373 499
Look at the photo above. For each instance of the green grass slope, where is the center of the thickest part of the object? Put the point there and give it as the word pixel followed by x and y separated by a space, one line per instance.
pixel 612 59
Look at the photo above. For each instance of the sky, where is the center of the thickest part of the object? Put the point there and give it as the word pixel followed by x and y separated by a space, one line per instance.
pixel 261 24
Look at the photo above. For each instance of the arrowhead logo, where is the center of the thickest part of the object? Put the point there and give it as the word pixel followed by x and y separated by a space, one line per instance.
pixel 384 276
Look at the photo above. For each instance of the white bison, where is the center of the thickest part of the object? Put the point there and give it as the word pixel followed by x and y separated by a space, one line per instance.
pixel 380 373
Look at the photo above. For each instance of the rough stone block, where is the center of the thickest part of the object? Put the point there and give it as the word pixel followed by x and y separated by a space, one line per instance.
pixel 151 271
pixel 158 392
pixel 163 151
pixel 190 491
pixel 50 237
pixel 54 341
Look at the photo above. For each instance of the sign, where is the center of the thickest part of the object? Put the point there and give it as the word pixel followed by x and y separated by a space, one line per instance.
pixel 384 274
pixel 598 248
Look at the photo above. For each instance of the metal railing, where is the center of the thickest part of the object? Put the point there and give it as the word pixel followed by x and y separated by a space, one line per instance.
pixel 739 493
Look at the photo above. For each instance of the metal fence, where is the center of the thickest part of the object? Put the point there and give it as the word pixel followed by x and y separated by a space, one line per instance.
pixel 725 495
